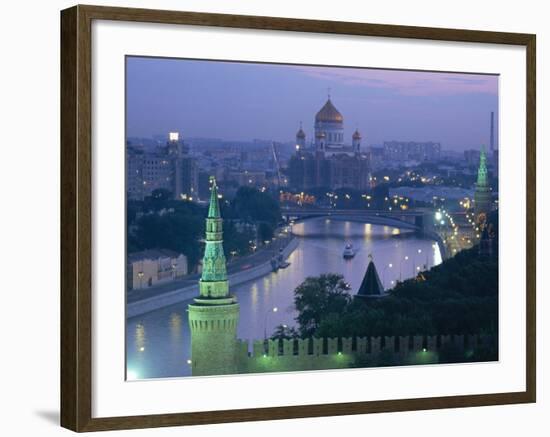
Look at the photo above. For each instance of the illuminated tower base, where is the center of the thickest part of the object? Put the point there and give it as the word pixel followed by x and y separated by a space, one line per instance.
pixel 213 324
pixel 482 203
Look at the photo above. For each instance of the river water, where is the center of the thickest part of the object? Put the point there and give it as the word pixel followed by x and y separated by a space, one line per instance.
pixel 158 343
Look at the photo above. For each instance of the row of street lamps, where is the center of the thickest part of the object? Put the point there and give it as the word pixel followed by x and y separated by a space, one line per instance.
pixel 415 267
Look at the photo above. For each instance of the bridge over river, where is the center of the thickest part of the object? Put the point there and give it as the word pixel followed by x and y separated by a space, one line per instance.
pixel 420 219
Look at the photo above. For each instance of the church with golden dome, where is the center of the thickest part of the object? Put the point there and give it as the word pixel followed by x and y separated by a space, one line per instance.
pixel 327 160
pixel 329 132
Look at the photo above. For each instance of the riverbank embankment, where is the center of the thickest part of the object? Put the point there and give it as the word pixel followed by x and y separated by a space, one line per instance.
pixel 165 298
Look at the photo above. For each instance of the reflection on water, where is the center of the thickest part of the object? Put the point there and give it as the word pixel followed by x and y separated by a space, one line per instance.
pixel 140 337
pixel 158 343
pixel 175 327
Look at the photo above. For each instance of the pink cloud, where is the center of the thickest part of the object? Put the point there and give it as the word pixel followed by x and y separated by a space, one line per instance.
pixel 410 83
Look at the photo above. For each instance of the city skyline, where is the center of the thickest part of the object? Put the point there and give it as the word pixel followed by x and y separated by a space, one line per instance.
pixel 315 255
pixel 246 101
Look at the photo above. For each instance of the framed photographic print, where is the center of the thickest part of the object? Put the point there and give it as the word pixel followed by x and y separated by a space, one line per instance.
pixel 252 204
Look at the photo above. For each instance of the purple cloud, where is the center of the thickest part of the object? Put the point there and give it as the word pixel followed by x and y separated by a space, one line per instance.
pixel 408 83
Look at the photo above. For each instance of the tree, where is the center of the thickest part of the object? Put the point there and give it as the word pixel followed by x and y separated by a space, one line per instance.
pixel 265 232
pixel 235 240
pixel 179 231
pixel 159 199
pixel 460 296
pixel 252 205
pixel 318 297
pixel 284 332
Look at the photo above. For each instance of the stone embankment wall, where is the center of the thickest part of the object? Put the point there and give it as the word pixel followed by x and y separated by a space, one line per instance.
pixel 187 293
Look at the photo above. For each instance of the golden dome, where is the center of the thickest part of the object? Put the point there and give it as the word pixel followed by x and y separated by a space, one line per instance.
pixel 329 113
pixel 301 134
pixel 356 135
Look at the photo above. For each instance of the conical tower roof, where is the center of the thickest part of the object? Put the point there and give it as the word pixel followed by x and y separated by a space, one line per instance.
pixel 371 286
pixel 300 133
pixel 214 208
pixel 213 282
pixel 482 178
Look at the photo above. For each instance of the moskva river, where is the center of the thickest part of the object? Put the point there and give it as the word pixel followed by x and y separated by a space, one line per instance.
pixel 158 343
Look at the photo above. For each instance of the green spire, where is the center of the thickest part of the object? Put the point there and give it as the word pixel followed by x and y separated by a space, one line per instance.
pixel 213 283
pixel 214 208
pixel 482 180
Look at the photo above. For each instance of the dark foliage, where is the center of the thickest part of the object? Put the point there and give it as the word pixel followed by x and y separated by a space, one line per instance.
pixel 318 299
pixel 460 296
pixel 283 332
pixel 255 206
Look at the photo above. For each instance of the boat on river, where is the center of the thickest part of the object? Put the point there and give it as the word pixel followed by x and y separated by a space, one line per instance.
pixel 279 262
pixel 349 251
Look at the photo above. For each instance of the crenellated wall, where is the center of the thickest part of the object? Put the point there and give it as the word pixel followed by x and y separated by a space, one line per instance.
pixel 337 353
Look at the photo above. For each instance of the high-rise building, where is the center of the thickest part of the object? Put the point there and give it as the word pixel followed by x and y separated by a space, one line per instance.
pixel 400 151
pixel 157 172
pixel 214 314
pixel 134 172
pixel 170 168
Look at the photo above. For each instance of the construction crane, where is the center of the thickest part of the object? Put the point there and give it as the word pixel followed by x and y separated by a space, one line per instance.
pixel 276 161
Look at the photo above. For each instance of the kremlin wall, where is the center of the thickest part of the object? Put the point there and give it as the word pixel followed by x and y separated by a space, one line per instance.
pixel 290 355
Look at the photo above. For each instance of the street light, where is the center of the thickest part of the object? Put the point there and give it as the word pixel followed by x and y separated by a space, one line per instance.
pixel 268 312
pixel 390 265
pixel 401 265
pixel 140 276
pixel 419 251
pixel 174 269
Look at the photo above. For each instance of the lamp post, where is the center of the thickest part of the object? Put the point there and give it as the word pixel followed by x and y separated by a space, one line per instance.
pixel 140 276
pixel 414 264
pixel 267 313
pixel 174 270
pixel 401 265
pixel 390 265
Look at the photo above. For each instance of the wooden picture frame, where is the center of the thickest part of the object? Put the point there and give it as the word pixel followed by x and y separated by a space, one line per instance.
pixel 76 217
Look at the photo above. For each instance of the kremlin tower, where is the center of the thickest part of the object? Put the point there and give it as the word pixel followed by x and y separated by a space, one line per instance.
pixel 482 195
pixel 214 314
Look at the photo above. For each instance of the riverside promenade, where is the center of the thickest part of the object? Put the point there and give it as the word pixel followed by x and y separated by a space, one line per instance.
pixel 239 271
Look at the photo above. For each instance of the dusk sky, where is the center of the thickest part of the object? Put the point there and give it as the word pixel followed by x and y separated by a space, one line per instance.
pixel 240 101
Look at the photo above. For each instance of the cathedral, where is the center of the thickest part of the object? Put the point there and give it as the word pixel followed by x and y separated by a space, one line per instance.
pixel 327 161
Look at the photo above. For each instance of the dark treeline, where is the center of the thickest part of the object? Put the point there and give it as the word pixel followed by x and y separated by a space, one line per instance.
pixel 160 222
pixel 459 296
